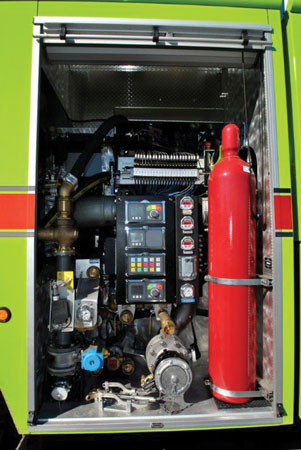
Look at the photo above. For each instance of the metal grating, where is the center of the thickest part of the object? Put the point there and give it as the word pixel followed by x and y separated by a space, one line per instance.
pixel 161 93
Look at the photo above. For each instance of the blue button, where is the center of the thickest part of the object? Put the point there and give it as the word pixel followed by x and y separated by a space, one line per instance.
pixel 133 259
pixel 139 259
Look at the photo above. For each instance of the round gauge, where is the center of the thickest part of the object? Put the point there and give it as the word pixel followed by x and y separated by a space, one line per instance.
pixel 186 203
pixel 84 314
pixel 187 243
pixel 187 223
pixel 187 290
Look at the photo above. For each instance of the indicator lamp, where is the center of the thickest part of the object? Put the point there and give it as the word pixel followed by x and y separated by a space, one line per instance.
pixel 5 315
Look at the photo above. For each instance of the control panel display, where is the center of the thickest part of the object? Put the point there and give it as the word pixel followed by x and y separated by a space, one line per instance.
pixel 145 249
pixel 150 264
pixel 146 212
pixel 146 237
pixel 149 291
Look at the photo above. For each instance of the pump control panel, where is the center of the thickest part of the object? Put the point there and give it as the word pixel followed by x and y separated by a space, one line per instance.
pixel 145 230
pixel 157 237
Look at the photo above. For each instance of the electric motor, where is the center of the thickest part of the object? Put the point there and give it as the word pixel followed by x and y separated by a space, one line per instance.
pixel 168 360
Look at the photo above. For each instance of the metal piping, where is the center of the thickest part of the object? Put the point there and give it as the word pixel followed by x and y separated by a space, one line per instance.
pixel 64 233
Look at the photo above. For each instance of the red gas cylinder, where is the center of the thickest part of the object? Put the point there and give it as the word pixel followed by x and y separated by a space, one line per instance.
pixel 232 256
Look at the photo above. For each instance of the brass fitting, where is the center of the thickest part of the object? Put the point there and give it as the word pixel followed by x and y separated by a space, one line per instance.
pixel 64 232
pixel 126 317
pixel 93 272
pixel 167 324
pixel 64 235
pixel 64 203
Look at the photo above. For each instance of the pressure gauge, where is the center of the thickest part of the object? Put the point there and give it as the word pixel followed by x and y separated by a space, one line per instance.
pixel 187 291
pixel 187 223
pixel 187 243
pixel 84 314
pixel 186 203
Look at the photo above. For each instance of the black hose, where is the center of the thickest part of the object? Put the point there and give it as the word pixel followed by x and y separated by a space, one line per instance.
pixel 95 211
pixel 93 143
pixel 182 316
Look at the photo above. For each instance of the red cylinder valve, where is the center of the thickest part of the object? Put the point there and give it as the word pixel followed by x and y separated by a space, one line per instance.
pixel 232 256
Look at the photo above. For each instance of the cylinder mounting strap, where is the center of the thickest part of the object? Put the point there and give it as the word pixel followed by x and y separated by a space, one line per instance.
pixel 264 282
pixel 236 394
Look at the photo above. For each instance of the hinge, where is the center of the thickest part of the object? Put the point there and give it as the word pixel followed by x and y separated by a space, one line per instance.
pixel 280 410
pixel 30 417
pixel 63 32
pixel 245 38
pixel 156 35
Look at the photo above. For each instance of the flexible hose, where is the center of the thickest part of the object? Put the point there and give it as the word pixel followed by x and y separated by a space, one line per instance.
pixel 93 143
pixel 182 316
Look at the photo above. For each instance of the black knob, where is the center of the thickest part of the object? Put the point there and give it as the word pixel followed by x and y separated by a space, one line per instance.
pixel 155 292
pixel 154 214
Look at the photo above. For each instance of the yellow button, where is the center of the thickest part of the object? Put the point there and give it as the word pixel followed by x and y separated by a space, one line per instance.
pixel 139 264
pixel 152 269
pixel 133 269
pixel 132 264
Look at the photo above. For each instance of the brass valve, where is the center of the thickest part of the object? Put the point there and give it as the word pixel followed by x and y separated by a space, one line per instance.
pixel 167 324
pixel 64 232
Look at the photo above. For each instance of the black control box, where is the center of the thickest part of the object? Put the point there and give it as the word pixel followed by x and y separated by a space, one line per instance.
pixel 145 249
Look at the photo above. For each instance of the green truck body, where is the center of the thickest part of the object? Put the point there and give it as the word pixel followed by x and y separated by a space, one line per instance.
pixel 16 109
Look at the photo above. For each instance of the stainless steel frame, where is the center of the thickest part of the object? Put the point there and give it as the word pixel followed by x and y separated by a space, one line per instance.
pixel 32 168
pixel 151 32
pixel 277 243
pixel 216 418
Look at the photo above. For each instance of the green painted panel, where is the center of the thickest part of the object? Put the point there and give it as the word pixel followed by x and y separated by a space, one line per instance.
pixel 264 4
pixel 287 243
pixel 151 11
pixel 14 113
pixel 15 75
pixel 294 6
pixel 292 34
pixel 13 343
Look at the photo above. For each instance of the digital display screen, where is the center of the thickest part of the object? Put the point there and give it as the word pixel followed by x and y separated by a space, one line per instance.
pixel 137 237
pixel 137 289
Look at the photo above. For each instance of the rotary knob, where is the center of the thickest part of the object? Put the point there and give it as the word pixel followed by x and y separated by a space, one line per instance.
pixel 154 214
pixel 155 292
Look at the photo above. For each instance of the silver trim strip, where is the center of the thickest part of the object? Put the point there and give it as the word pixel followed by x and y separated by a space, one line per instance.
pixel 32 159
pixel 41 20
pixel 236 394
pixel 17 234
pixel 99 424
pixel 276 243
pixel 112 31
pixel 18 188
